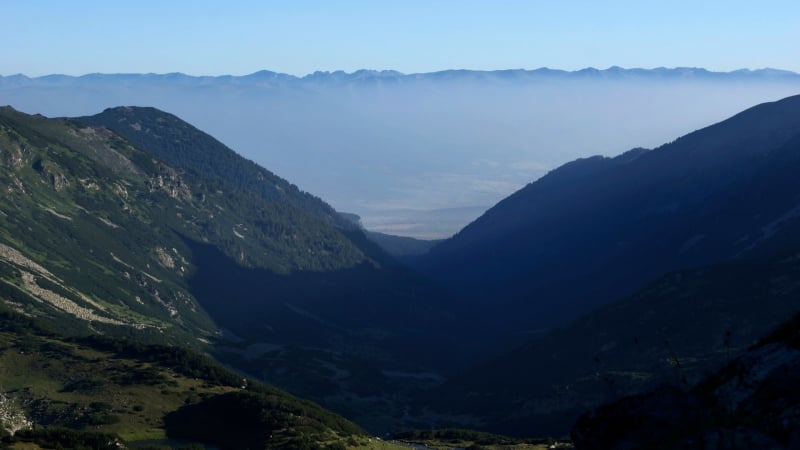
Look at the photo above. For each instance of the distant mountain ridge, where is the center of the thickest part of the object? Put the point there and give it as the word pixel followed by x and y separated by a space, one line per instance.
pixel 263 76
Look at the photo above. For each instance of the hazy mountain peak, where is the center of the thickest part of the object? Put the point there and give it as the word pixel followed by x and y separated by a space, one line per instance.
pixel 388 73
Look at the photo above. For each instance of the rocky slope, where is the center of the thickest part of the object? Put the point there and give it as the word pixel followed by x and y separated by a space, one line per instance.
pixel 751 403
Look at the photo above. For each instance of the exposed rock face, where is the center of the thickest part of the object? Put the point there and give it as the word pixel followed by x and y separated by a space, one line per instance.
pixel 51 174
pixel 12 417
pixel 751 403
pixel 171 183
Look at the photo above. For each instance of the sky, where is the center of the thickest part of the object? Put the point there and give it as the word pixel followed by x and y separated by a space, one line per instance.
pixel 209 37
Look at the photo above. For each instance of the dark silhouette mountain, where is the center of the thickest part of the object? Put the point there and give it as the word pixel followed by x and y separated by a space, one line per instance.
pixel 722 204
pixel 599 228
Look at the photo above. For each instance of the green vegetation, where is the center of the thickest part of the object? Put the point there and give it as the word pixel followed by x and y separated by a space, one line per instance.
pixel 81 200
pixel 76 393
pixel 256 420
pixel 184 147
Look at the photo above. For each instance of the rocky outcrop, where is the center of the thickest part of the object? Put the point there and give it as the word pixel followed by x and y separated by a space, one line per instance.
pixel 169 181
pixel 12 417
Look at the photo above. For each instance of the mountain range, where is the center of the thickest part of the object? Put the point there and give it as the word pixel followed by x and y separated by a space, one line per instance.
pixel 393 76
pixel 420 155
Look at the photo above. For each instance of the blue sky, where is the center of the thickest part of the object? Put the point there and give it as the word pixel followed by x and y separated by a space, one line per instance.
pixel 300 36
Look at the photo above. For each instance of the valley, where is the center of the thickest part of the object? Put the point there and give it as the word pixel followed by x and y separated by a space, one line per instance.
pixel 156 285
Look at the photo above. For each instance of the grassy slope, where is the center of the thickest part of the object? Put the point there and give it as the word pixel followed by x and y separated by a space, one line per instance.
pixel 102 385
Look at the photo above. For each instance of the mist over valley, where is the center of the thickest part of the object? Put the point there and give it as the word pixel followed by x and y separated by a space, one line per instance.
pixel 420 155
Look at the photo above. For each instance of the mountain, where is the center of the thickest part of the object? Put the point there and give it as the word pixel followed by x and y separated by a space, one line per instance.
pixel 750 403
pixel 389 146
pixel 660 265
pixel 82 200
pixel 181 145
pixel 100 235
pixel 598 228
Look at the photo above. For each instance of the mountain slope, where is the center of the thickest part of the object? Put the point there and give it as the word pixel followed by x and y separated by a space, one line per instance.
pixel 97 392
pixel 183 146
pixel 750 403
pixel 82 200
pixel 676 330
pixel 599 228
